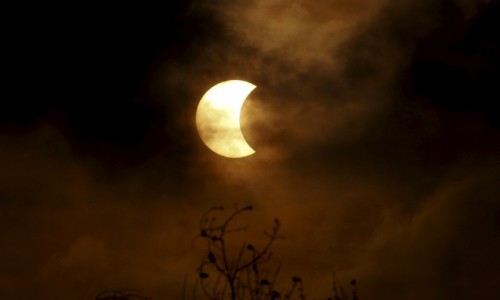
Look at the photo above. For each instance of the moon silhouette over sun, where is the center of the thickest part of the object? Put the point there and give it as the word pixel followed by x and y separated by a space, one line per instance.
pixel 218 118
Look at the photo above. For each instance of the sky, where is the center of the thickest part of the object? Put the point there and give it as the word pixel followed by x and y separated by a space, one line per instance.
pixel 376 127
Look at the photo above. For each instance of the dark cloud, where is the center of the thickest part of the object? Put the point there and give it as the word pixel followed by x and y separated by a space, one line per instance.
pixel 375 125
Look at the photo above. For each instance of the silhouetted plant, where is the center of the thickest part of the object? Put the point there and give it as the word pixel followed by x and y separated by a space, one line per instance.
pixel 242 274
pixel 236 276
pixel 339 292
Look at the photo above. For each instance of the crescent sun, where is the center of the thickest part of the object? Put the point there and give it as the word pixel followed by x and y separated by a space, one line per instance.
pixel 218 118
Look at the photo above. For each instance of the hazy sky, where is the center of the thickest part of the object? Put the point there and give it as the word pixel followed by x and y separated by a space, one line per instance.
pixel 376 127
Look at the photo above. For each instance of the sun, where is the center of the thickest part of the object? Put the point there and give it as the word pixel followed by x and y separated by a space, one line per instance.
pixel 218 118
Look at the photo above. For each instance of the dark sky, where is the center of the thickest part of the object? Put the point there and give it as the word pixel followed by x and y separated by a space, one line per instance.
pixel 376 125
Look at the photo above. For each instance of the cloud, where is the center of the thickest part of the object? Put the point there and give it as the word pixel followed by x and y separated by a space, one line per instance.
pixel 368 181
pixel 439 250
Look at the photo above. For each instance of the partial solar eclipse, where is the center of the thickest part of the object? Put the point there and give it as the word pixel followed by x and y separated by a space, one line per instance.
pixel 218 118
